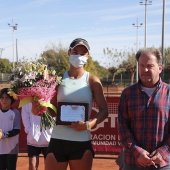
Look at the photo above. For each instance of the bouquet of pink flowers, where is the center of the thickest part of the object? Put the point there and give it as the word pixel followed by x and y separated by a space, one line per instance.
pixel 33 82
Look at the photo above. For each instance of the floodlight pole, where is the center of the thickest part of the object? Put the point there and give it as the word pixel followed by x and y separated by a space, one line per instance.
pixel 146 4
pixel 163 35
pixel 137 26
pixel 14 27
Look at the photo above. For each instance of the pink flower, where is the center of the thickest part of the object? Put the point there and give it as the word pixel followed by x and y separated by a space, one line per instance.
pixel 23 79
pixel 31 75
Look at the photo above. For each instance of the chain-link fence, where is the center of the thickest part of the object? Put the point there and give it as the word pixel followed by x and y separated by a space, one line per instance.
pixel 4 78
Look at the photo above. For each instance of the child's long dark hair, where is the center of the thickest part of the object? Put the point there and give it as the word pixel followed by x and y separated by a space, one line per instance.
pixel 5 91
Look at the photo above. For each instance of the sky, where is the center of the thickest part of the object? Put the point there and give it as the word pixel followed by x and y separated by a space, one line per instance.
pixel 103 23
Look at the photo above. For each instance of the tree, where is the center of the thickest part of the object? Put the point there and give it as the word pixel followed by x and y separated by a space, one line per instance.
pixel 102 72
pixel 56 57
pixel 114 59
pixel 90 67
pixel 167 57
pixel 130 65
pixel 166 61
pixel 114 72
pixel 5 66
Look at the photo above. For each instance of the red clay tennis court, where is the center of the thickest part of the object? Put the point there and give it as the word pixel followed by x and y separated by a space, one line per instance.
pixel 101 162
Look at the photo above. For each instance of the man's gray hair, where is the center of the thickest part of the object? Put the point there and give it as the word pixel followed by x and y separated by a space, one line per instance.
pixel 156 52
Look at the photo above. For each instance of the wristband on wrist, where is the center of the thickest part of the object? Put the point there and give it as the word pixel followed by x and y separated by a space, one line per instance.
pixel 88 125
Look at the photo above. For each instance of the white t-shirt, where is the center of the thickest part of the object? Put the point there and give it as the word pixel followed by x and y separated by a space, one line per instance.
pixel 148 91
pixel 9 120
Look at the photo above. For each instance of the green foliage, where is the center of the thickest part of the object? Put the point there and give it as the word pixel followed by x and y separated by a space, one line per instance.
pixel 57 58
pixel 102 72
pixel 166 70
pixel 90 67
pixel 130 64
pixel 167 57
pixel 114 58
pixel 5 66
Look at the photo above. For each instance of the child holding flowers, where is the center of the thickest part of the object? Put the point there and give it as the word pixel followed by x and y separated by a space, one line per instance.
pixel 9 132
pixel 37 140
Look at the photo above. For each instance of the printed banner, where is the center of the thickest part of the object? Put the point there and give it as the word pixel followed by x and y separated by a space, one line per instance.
pixel 105 138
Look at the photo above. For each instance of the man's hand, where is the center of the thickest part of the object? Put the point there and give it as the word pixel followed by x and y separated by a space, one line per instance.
pixel 1 134
pixel 145 160
pixel 156 157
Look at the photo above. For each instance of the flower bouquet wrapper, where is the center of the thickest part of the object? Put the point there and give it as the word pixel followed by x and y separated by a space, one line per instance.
pixel 44 89
pixel 41 97
pixel 36 84
pixel 41 92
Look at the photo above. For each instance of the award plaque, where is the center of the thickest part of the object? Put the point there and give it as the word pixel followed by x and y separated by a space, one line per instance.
pixel 69 112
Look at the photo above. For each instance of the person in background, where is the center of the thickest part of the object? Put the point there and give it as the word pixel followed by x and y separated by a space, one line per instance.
pixel 144 116
pixel 37 140
pixel 71 144
pixel 9 132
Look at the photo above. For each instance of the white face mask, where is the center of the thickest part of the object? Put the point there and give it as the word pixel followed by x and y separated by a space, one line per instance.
pixel 78 60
